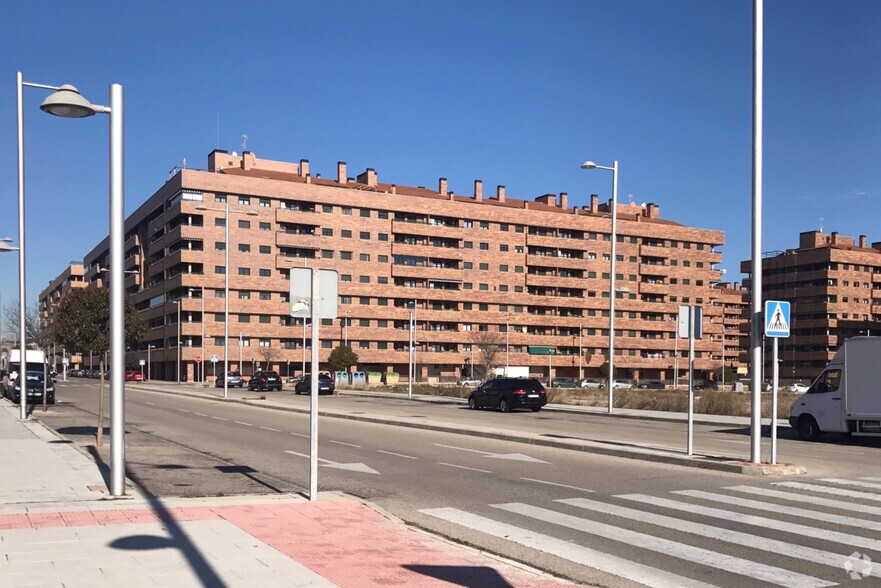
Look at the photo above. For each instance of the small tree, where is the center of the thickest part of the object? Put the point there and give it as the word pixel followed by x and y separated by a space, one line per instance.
pixel 83 325
pixel 268 355
pixel 342 358
pixel 35 334
pixel 491 346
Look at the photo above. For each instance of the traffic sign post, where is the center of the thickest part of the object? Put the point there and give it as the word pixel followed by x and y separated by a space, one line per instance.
pixel 776 326
pixel 690 324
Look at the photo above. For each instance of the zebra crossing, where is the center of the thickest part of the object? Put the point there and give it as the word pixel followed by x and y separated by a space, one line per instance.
pixel 817 533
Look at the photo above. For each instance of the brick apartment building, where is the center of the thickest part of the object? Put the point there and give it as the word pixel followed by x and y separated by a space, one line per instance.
pixel 834 286
pixel 735 304
pixel 478 271
pixel 69 280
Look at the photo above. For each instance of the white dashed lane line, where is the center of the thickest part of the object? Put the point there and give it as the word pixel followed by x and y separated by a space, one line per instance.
pixel 270 429
pixel 241 423
pixel 341 443
pixel 396 454
pixel 452 465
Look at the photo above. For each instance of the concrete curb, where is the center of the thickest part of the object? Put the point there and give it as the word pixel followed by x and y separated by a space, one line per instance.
pixel 708 462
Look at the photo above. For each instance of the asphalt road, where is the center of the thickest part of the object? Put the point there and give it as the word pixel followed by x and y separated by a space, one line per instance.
pixel 617 526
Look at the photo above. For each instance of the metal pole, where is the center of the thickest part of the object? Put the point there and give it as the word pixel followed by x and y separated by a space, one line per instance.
pixel 774 374
pixel 410 360
pixel 313 394
pixel 507 347
pixel 676 357
pixel 149 347
pixel 756 284
pixel 117 293
pixel 690 443
pixel 723 348
pixel 241 345
pixel 580 352
pixel 22 299
pixel 346 318
pixel 415 373
pixel 226 312
pixel 612 286
pixel 202 363
pixel 178 340
pixel 304 346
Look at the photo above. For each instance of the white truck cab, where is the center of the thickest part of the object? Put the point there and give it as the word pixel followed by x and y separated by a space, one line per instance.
pixel 846 396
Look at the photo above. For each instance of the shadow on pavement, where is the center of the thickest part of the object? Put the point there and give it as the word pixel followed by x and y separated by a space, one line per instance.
pixel 248 473
pixel 178 540
pixel 468 576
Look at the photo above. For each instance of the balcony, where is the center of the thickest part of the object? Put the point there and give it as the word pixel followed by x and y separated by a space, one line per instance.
pixel 556 261
pixel 556 242
pixel 287 262
pixel 429 250
pixel 418 271
pixel 288 215
pixel 285 239
pixel 552 281
pixel 424 229
pixel 654 251
pixel 654 288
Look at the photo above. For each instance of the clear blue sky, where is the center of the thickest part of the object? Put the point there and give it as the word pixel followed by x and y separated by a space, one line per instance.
pixel 514 93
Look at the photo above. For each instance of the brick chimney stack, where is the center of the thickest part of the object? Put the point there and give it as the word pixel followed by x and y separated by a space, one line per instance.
pixel 478 190
pixel 304 167
pixel 862 240
pixel 442 186
pixel 594 203
pixel 341 172
pixel 834 238
pixel 368 177
pixel 500 193
pixel 564 200
pixel 248 160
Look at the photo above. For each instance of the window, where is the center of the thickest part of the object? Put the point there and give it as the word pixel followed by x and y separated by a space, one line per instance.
pixel 484 267
pixel 503 227
pixel 326 208
pixel 484 225
pixel 365 213
pixel 326 232
pixel 219 294
pixel 518 269
pixel 220 222
pixel 518 248
pixel 468 265
pixel 382 323
pixel 347 211
pixel 503 268
pixel 382 302
pixel 345 255
pixel 382 214
pixel 382 236
pixel 484 286
pixel 265 203
pixel 484 246
pixel 220 198
pixel 503 288
pixel 467 224
pixel 265 319
pixel 503 247
pixel 244 318
pixel 345 277
pixel 218 341
pixel 364 257
pixel 345 300
pixel 467 286
pixel 219 246
pixel 364 279
pixel 518 228
pixel 265 273
pixel 383 259
pixel 218 317
pixel 364 235
pixel 346 234
pixel 244 248
pixel 245 341
pixel 468 245
pixel 265 342
pixel 244 271
pixel 265 296
pixel 828 382
pixel 219 269
pixel 244 200
pixel 382 280
pixel 265 249
pixel 243 224
pixel 244 295
pixel 265 226
pixel 326 254
pixel 363 322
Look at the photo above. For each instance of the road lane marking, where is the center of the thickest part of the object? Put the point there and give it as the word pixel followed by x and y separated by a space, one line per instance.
pixel 764 522
pixel 352 467
pixel 556 484
pixel 452 465
pixel 396 454
pixel 149 404
pixel 200 414
pixel 829 490
pixel 241 423
pixel 585 556
pixel 819 501
pixel 720 534
pixel 270 429
pixel 219 418
pixel 182 410
pixel 682 551
pixel 341 443
pixel 777 508
pixel 300 435
pixel 852 483
pixel 491 455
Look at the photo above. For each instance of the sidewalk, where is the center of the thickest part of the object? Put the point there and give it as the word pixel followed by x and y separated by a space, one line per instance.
pixel 59 528
pixel 616 449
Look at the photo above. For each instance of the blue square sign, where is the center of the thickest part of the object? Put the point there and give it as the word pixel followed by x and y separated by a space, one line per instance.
pixel 776 318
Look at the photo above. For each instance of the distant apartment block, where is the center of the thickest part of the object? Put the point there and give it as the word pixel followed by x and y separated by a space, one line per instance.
pixel 735 304
pixel 478 270
pixel 69 280
pixel 834 286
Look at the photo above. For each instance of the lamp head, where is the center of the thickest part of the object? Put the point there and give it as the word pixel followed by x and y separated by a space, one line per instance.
pixel 67 102
pixel 588 165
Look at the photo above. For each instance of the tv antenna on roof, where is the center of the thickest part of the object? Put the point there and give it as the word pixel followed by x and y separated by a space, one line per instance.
pixel 244 143
pixel 820 222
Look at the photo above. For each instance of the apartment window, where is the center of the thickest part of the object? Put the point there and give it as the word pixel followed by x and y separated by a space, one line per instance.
pixel 244 318
pixel 484 267
pixel 518 269
pixel 365 213
pixel 484 286
pixel 245 341
pixel 503 268
pixel 503 288
pixel 503 247
pixel 466 306
pixel 265 296
pixel 326 232
pixel 265 226
pixel 220 222
pixel 220 198
pixel 265 203
pixel 484 246
pixel 467 224
pixel 382 214
pixel 686 263
pixel 346 234
pixel 632 259
pixel 265 319
pixel 347 255
pixel 345 277
pixel 364 257
pixel 244 200
pixel 219 294
pixel 265 273
pixel 382 301
pixel 468 265
pixel 467 286
pixel 363 322
pixel 218 341
pixel 244 295
pixel 326 208
pixel 364 279
pixel 345 300
pixel 219 246
pixel 244 271
pixel 347 211
pixel 382 259
pixel 326 254
pixel 244 248
pixel 518 228
pixel 382 280
pixel 219 269
pixel 265 249
pixel 218 317
pixel 503 227
pixel 382 236
pixel 243 224
pixel 468 245
pixel 700 264
pixel 265 342
pixel 686 245
pixel 382 323
pixel 484 225
pixel 364 235
pixel 518 289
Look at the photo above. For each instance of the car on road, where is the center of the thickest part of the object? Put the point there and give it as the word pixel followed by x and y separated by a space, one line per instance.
pixel 651 385
pixel 34 386
pixel 233 379
pixel 469 382
pixel 591 383
pixel 265 380
pixel 563 383
pixel 506 394
pixel 134 376
pixel 798 388
pixel 622 384
pixel 325 385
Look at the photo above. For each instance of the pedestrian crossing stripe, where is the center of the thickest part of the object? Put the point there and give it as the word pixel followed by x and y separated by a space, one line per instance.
pixel 776 318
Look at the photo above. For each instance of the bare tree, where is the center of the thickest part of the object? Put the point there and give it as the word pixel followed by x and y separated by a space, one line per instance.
pixel 490 346
pixel 32 328
pixel 268 355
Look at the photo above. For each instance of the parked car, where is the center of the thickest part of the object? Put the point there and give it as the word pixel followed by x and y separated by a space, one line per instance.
pixel 34 386
pixel 233 379
pixel 134 376
pixel 651 385
pixel 325 385
pixel 470 382
pixel 265 381
pixel 622 384
pixel 798 388
pixel 506 394
pixel 563 383
pixel 706 385
pixel 591 383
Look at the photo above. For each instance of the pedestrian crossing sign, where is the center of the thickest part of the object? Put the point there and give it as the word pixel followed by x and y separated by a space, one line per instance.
pixel 776 318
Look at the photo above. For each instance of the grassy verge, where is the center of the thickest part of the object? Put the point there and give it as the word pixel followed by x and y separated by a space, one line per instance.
pixel 705 401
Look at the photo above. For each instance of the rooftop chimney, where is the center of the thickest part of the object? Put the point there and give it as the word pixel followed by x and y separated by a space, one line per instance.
pixel 442 186
pixel 652 210
pixel 368 177
pixel 862 240
pixel 500 193
pixel 833 238
pixel 216 157
pixel 248 160
pixel 594 203
pixel 478 190
pixel 563 202
pixel 549 199
pixel 341 172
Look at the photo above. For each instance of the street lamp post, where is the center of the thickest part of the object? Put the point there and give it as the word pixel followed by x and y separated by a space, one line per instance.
pixel 149 347
pixel 202 363
pixel 226 212
pixel 614 239
pixel 507 347
pixel 580 349
pixel 177 302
